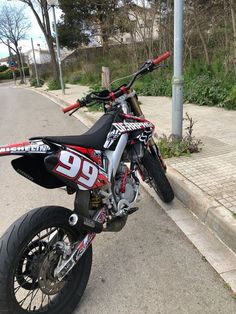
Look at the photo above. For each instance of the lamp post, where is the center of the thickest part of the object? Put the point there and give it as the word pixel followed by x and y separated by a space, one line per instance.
pixel 177 82
pixel 35 64
pixel 40 61
pixel 53 4
pixel 22 65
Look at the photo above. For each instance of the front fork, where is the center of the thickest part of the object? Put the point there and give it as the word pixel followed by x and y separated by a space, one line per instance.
pixel 151 143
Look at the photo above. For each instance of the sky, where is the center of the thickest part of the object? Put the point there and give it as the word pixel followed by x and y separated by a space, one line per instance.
pixel 34 32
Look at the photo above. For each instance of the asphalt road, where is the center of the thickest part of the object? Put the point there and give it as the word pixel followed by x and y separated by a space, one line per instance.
pixel 149 267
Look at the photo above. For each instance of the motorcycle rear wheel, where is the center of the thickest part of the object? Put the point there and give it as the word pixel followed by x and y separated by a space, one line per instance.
pixel 157 177
pixel 27 261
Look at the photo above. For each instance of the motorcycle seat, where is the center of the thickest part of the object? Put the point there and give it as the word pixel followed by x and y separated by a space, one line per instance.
pixel 95 137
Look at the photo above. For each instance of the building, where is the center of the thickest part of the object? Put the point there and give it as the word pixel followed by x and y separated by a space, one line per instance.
pixel 141 24
pixel 4 61
pixel 42 56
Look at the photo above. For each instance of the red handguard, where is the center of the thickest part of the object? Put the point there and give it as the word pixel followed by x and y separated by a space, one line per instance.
pixel 71 107
pixel 161 58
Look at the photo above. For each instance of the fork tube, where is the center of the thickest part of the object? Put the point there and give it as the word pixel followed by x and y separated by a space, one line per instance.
pixel 138 112
pixel 135 107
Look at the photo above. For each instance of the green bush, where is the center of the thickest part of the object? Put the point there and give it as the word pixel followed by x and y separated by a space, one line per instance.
pixel 205 90
pixel 54 85
pixel 230 102
pixel 154 85
pixel 6 75
pixel 33 82
pixel 3 68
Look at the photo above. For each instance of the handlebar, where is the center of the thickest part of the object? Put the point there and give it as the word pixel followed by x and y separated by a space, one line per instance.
pixel 161 58
pixel 71 107
pixel 147 67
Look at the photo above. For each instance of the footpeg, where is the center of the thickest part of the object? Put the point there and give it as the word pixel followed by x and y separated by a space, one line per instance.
pixel 131 210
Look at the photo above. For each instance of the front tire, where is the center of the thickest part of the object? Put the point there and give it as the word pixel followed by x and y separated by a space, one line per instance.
pixel 27 261
pixel 157 177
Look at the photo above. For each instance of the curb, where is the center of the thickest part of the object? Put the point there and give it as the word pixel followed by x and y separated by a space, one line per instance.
pixel 216 217
pixel 210 212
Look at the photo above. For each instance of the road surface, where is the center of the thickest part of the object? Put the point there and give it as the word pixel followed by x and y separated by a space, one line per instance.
pixel 149 267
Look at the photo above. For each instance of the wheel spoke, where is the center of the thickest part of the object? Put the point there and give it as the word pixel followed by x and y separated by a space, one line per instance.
pixel 32 297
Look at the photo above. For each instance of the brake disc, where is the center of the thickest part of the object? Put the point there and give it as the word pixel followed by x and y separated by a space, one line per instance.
pixel 47 282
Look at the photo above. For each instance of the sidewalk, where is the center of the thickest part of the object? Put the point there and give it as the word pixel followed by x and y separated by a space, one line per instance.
pixel 204 182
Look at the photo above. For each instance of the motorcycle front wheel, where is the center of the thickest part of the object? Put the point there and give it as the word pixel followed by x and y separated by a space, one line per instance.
pixel 28 259
pixel 157 178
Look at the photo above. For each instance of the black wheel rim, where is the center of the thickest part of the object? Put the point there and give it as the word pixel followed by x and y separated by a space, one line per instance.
pixel 27 284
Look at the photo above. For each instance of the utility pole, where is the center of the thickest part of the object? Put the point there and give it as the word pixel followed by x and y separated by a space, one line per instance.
pixel 35 65
pixel 22 65
pixel 177 82
pixel 54 3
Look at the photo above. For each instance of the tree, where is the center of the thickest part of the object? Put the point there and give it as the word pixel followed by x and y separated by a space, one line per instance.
pixel 89 19
pixel 40 9
pixel 14 25
pixel 74 17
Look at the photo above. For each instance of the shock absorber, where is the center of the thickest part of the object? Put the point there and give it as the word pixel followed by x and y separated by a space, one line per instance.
pixel 95 201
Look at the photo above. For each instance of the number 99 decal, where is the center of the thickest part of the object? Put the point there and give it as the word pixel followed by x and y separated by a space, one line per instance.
pixel 80 170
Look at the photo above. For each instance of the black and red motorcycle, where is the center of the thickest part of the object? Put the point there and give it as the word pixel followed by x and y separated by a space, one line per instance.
pixel 46 255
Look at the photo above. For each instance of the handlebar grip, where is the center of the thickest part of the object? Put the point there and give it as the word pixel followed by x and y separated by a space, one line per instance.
pixel 71 107
pixel 161 58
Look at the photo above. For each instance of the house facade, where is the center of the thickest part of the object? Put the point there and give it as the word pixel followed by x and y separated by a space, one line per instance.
pixel 4 61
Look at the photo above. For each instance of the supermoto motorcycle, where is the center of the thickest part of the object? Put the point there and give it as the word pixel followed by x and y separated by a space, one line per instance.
pixel 46 255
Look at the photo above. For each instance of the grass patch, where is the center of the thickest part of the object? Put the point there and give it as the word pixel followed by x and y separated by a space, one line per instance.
pixel 172 146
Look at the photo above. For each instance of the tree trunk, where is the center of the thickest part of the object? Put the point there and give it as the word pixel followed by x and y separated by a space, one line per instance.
pixel 202 38
pixel 49 38
pixel 234 32
pixel 226 38
pixel 160 29
pixel 19 64
pixel 55 68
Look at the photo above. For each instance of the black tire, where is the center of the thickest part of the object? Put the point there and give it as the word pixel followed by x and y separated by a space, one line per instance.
pixel 21 259
pixel 157 177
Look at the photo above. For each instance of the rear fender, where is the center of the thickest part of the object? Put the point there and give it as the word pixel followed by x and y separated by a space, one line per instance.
pixel 31 163
pixel 33 168
pixel 25 148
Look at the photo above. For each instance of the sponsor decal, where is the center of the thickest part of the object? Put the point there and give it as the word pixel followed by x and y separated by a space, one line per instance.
pixel 132 126
pixel 128 127
pixel 18 148
pixel 111 137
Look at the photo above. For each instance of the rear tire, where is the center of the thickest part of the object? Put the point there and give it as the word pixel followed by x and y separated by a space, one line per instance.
pixel 27 261
pixel 157 177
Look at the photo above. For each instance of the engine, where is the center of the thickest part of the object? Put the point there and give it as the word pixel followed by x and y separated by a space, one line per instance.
pixel 125 187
